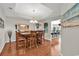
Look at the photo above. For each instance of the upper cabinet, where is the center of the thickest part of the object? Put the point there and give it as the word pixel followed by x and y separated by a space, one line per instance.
pixel 74 11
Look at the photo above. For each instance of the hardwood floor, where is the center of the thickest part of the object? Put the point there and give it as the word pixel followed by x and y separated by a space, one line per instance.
pixel 43 50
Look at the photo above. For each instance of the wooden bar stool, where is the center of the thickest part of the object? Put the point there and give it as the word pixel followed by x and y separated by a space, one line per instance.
pixel 20 41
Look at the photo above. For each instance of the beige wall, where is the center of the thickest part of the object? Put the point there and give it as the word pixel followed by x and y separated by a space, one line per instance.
pixel 70 41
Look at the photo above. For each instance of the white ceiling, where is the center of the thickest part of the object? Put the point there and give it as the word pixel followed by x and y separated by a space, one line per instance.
pixel 42 10
pixel 26 10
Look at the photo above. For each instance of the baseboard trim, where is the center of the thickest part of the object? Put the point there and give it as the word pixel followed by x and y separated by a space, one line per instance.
pixel 11 41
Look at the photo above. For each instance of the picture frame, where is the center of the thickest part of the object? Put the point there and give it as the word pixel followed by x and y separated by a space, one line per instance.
pixel 1 23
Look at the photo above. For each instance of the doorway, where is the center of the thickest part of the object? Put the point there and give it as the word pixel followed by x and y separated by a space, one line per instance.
pixel 56 35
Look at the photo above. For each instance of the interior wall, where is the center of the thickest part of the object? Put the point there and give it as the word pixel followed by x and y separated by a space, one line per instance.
pixel 10 25
pixel 2 31
pixel 70 35
pixel 70 41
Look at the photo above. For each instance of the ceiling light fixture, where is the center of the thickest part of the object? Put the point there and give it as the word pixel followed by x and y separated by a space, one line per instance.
pixel 33 20
pixel 10 8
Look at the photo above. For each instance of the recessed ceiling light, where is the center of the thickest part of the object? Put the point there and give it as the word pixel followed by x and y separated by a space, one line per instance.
pixel 10 8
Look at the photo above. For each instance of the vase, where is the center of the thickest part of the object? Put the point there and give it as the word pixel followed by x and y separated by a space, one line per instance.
pixel 9 35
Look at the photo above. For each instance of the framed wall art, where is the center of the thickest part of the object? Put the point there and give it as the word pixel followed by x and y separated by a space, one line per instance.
pixel 1 23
